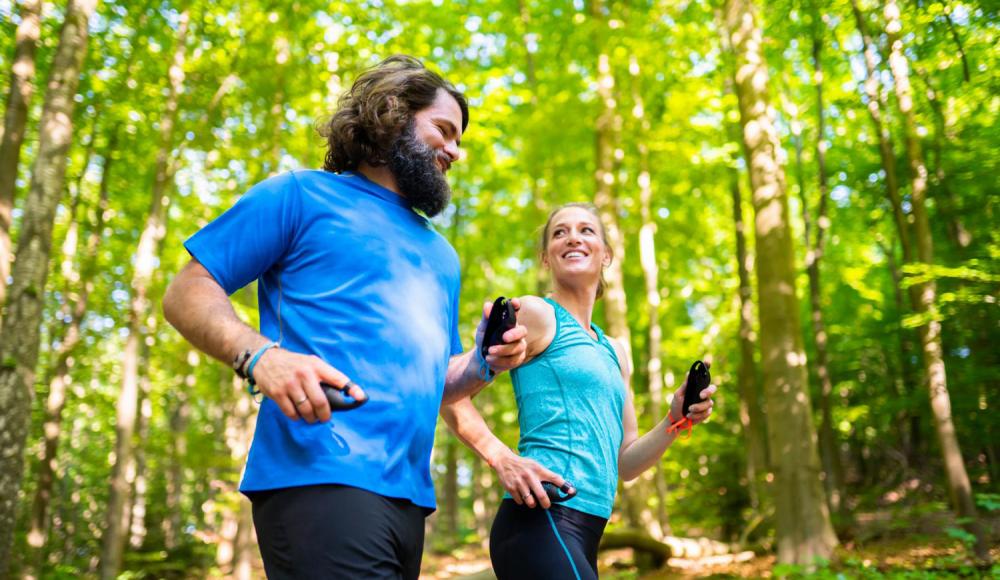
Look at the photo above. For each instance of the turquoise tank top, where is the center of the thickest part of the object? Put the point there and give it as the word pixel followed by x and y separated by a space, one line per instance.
pixel 570 400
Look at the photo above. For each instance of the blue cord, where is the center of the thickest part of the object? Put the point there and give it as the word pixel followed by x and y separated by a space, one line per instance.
pixel 251 383
pixel 485 372
pixel 555 530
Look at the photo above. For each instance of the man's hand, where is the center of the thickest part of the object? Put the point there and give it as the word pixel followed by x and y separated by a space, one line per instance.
pixel 699 411
pixel 292 381
pixel 510 354
pixel 523 477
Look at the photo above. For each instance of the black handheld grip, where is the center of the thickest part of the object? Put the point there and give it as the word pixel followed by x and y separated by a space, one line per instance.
pixel 502 318
pixel 698 379
pixel 552 490
pixel 339 400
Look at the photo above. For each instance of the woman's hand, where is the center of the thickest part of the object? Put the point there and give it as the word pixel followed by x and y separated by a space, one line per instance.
pixel 523 477
pixel 510 354
pixel 698 412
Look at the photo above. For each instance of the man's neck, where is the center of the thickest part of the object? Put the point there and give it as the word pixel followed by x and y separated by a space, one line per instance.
pixel 380 175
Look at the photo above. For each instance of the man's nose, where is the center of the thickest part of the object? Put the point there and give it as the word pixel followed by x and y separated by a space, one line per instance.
pixel 453 151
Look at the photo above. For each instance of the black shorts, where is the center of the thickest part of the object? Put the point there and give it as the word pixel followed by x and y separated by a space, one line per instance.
pixel 533 543
pixel 336 531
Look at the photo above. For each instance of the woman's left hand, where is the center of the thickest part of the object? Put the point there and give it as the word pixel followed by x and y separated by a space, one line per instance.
pixel 510 354
pixel 698 412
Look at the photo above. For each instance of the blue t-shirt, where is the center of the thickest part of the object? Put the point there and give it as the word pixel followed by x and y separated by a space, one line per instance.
pixel 570 400
pixel 366 284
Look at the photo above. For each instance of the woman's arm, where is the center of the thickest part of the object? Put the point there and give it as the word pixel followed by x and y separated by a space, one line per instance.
pixel 521 477
pixel 637 454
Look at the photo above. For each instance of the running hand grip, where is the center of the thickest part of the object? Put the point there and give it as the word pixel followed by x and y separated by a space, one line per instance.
pixel 339 400
pixel 698 380
pixel 502 318
pixel 553 491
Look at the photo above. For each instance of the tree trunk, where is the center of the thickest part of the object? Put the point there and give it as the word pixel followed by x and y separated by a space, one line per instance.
pixel 239 432
pixel 829 452
pixel 532 170
pixel 959 235
pixel 113 541
pixel 482 481
pixel 876 106
pixel 179 416
pixel 59 378
pixel 19 333
pixel 804 531
pixel 607 128
pixel 930 331
pixel 449 515
pixel 751 411
pixel 651 275
pixel 137 509
pixel 22 86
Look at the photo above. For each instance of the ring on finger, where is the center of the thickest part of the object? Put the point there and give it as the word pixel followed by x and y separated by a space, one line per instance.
pixel 302 400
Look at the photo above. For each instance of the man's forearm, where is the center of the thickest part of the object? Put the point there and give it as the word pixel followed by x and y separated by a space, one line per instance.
pixel 199 309
pixel 462 379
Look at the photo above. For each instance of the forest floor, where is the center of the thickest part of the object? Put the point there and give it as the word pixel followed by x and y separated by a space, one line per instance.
pixel 916 542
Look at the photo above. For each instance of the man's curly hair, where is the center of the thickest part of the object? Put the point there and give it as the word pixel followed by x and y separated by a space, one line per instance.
pixel 380 105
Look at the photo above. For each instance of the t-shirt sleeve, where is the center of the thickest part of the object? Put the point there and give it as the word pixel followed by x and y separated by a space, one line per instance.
pixel 249 238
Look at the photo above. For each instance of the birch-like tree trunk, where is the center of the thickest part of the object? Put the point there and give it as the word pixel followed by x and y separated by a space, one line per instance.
pixel 180 413
pixel 113 540
pixel 22 87
pixel 236 552
pixel 59 378
pixel 19 332
pixel 804 531
pixel 814 245
pixel 930 330
pixel 876 110
pixel 651 276
pixel 751 410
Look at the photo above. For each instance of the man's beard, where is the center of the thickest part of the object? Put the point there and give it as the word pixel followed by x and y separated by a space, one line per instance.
pixel 418 177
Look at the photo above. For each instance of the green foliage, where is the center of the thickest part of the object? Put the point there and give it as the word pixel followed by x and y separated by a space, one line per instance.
pixel 259 77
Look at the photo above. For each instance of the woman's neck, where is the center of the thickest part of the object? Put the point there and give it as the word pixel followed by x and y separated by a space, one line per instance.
pixel 579 302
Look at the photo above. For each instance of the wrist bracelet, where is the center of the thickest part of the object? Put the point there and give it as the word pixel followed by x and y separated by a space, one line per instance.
pixel 240 361
pixel 253 361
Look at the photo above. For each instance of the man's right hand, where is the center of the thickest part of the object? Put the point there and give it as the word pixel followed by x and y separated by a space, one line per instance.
pixel 523 477
pixel 292 381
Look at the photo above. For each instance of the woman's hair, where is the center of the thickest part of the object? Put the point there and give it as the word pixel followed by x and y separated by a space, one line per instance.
pixel 380 105
pixel 592 209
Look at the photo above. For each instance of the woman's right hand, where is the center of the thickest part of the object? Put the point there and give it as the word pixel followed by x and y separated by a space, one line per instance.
pixel 523 477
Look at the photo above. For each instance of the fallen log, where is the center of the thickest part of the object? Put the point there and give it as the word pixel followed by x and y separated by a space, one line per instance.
pixel 638 541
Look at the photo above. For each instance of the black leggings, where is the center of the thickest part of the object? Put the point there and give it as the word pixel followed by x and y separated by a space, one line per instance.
pixel 336 531
pixel 528 543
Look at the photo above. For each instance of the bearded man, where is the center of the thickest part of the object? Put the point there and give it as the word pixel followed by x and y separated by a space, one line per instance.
pixel 357 291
